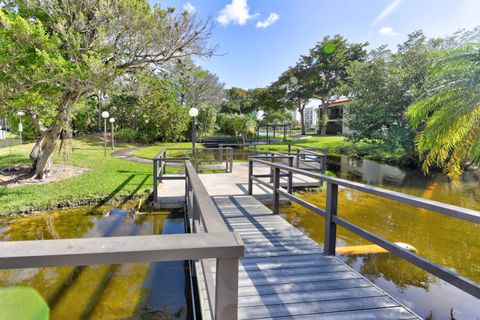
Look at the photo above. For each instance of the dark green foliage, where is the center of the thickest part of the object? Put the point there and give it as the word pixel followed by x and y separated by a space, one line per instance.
pixel 126 135
pixel 383 87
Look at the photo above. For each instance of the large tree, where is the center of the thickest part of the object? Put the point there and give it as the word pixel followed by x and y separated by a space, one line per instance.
pixel 326 67
pixel 55 52
pixel 297 89
pixel 382 88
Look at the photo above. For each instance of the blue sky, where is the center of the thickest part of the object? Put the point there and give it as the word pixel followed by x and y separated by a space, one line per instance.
pixel 258 39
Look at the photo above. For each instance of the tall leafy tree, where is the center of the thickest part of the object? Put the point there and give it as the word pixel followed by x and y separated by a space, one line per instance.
pixel 237 100
pixel 382 88
pixel 297 89
pixel 326 67
pixel 63 50
pixel 447 112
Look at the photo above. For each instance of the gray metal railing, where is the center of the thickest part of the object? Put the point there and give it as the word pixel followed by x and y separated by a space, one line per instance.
pixel 222 156
pixel 204 218
pixel 332 219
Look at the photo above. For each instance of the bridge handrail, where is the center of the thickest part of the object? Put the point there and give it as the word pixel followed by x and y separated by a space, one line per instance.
pixel 205 217
pixel 332 219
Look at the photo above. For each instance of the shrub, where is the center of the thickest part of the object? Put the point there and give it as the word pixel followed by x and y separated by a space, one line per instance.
pixel 126 135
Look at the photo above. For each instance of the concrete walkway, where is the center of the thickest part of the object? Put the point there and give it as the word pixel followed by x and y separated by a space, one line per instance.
pixel 171 193
pixel 128 154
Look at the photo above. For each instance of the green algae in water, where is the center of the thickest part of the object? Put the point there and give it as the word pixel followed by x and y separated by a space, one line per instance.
pixel 137 290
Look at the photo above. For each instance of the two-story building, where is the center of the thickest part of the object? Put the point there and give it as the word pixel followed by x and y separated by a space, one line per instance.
pixel 337 112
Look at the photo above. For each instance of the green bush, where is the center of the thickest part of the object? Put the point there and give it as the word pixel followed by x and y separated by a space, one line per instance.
pixel 126 135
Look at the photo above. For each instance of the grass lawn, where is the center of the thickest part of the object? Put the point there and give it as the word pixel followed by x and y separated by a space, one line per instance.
pixel 108 180
pixel 338 145
pixel 151 152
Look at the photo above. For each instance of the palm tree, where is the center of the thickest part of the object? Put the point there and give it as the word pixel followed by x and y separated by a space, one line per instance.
pixel 448 113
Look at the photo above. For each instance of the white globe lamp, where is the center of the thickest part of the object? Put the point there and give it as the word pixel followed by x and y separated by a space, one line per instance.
pixel 193 112
pixel 105 116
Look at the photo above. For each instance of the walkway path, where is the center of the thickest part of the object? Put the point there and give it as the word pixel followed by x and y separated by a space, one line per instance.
pixel 128 154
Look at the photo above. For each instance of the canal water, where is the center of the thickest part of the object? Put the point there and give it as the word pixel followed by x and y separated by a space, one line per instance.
pixel 128 291
pixel 444 240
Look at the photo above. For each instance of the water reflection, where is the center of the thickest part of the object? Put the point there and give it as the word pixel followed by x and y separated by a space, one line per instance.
pixel 444 240
pixel 137 290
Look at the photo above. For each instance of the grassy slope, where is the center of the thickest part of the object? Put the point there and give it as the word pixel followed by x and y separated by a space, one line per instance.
pixel 338 145
pixel 150 152
pixel 108 179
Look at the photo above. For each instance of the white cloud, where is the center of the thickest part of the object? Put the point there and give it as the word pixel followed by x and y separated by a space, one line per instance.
pixel 269 21
pixel 236 12
pixel 387 31
pixel 189 8
pixel 387 11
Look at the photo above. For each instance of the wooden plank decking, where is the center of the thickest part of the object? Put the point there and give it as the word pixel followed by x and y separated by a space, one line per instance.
pixel 285 275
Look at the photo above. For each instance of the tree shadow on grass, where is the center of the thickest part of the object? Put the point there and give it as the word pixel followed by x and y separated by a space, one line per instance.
pixel 10 160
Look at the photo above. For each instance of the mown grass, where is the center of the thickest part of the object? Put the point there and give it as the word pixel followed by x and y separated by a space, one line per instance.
pixel 108 180
pixel 340 145
pixel 151 151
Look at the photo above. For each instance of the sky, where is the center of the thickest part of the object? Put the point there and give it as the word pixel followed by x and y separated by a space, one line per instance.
pixel 259 39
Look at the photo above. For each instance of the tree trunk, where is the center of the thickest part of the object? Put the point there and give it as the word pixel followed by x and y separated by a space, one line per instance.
pixel 42 153
pixel 302 119
pixel 322 111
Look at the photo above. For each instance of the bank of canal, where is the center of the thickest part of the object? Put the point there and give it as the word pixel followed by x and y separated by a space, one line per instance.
pixel 138 290
pixel 445 240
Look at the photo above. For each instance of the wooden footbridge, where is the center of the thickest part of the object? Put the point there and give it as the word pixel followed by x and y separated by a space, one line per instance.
pixel 283 274
pixel 250 263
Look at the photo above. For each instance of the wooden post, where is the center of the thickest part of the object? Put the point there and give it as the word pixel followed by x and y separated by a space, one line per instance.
pixel 250 174
pixel 220 152
pixel 226 289
pixel 324 164
pixel 330 226
pixel 272 160
pixel 165 164
pixel 289 149
pixel 231 160
pixel 290 176
pixel 298 158
pixel 276 194
pixel 155 182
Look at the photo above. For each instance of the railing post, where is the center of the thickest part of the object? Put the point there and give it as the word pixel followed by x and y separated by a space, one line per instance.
pixel 298 158
pixel 231 160
pixel 155 182
pixel 272 160
pixel 324 164
pixel 330 226
pixel 220 151
pixel 290 176
pixel 276 194
pixel 165 164
pixel 250 174
pixel 289 148
pixel 226 289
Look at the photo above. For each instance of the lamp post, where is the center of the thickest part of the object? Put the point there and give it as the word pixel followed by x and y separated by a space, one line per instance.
pixel 193 112
pixel 105 115
pixel 20 125
pixel 112 121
